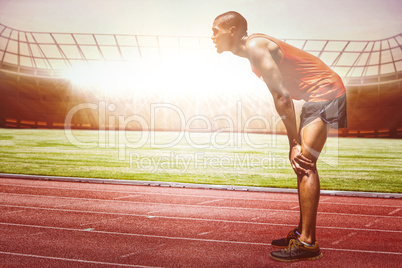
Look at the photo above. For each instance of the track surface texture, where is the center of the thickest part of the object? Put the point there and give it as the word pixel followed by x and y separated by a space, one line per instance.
pixel 70 224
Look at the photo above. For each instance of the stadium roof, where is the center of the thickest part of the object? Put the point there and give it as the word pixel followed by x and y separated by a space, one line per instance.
pixel 308 19
pixel 29 52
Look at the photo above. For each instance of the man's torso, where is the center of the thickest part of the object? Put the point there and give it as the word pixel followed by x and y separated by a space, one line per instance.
pixel 304 75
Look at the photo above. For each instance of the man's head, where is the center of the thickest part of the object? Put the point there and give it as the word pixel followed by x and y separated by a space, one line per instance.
pixel 228 29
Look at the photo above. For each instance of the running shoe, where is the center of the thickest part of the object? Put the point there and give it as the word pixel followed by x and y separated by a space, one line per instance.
pixel 297 251
pixel 284 242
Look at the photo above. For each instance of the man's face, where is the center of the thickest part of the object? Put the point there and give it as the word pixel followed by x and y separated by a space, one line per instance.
pixel 221 37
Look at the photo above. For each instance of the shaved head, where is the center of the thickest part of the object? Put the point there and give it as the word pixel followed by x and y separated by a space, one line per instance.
pixel 233 18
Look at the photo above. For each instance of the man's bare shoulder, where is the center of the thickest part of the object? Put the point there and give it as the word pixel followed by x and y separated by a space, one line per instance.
pixel 257 42
pixel 260 45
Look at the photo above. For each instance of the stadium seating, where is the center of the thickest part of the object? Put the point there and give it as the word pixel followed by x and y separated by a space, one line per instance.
pixel 35 92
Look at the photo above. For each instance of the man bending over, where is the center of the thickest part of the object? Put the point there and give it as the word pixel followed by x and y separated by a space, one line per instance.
pixel 291 73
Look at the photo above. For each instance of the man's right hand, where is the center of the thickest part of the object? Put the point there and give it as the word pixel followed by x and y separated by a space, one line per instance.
pixel 299 162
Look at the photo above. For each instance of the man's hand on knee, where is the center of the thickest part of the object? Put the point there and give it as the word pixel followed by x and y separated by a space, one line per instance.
pixel 300 163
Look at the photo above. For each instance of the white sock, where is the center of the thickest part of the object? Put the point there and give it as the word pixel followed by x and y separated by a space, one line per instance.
pixel 309 245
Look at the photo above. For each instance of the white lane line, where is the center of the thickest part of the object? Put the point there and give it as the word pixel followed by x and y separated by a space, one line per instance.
pixel 395 211
pixel 137 235
pixel 199 206
pixel 15 211
pixel 343 238
pixel 204 233
pixel 211 201
pixel 155 211
pixel 101 221
pixel 151 193
pixel 71 260
pixel 146 215
pixel 142 251
pixel 197 219
pixel 38 233
pixel 363 251
pixel 200 196
pixel 359 229
pixel 126 196
pixel 185 238
pixel 372 223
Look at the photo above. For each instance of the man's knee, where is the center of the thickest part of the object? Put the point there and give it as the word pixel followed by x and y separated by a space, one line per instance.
pixel 310 153
pixel 308 173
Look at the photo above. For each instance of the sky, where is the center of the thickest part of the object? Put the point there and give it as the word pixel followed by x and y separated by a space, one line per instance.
pixel 293 19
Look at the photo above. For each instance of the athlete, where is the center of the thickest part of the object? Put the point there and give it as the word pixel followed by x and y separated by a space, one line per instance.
pixel 291 73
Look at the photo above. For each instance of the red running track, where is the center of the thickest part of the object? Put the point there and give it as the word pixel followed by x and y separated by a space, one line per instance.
pixel 70 224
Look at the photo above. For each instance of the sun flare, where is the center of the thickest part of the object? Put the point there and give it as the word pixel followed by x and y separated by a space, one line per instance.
pixel 195 74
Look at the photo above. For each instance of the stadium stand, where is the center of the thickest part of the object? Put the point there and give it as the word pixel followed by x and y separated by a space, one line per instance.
pixel 35 92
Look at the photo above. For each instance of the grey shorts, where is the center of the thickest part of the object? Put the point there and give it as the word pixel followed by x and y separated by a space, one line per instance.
pixel 332 112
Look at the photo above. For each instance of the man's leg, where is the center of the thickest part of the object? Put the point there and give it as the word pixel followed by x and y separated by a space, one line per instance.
pixel 300 226
pixel 313 137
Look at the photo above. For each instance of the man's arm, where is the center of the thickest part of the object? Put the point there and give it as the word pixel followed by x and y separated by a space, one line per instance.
pixel 260 55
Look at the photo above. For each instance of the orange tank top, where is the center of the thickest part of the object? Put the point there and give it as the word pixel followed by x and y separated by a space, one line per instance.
pixel 304 75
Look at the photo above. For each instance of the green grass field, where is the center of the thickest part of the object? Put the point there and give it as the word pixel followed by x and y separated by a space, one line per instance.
pixel 211 158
